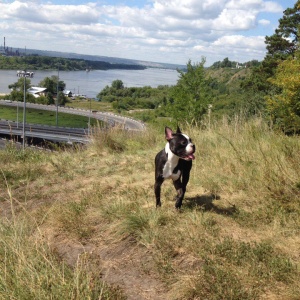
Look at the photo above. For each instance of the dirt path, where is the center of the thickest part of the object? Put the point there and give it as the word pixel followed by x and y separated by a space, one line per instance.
pixel 123 264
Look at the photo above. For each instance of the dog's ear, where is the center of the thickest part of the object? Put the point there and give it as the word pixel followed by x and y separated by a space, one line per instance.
pixel 178 129
pixel 169 133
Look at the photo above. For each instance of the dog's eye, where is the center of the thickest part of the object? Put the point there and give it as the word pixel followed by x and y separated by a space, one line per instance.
pixel 184 143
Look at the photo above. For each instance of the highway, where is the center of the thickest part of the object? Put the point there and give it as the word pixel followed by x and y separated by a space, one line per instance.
pixel 62 134
pixel 125 122
pixel 49 133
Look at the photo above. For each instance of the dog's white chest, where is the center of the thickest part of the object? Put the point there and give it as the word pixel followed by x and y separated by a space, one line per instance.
pixel 170 165
pixel 168 172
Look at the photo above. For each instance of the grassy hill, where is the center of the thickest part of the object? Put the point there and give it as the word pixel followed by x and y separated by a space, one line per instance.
pixel 229 98
pixel 82 224
pixel 229 76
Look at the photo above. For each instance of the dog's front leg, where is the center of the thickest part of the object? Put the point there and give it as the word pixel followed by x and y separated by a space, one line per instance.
pixel 180 193
pixel 157 189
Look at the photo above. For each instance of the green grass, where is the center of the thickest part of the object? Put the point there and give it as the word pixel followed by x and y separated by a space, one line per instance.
pixel 93 219
pixel 94 105
pixel 44 117
pixel 31 270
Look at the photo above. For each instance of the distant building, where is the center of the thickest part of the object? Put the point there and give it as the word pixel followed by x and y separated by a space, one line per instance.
pixel 2 51
pixel 37 91
pixel 238 66
pixel 67 93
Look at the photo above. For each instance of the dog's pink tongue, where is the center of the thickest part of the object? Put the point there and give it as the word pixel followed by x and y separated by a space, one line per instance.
pixel 192 156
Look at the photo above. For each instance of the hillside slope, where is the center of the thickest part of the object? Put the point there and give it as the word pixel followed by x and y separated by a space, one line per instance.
pixel 228 96
pixel 84 221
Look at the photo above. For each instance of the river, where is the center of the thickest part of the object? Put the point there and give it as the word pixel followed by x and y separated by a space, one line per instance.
pixel 91 83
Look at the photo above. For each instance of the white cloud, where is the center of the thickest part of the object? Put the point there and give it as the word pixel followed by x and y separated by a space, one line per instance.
pixel 239 41
pixel 272 7
pixel 236 47
pixel 234 20
pixel 189 9
pixel 181 28
pixel 245 4
pixel 37 13
pixel 264 22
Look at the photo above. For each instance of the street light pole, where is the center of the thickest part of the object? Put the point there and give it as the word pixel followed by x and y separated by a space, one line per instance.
pixel 57 96
pixel 90 116
pixel 24 112
pixel 18 114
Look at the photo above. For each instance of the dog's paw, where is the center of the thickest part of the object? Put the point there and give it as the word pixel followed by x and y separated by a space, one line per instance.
pixel 178 204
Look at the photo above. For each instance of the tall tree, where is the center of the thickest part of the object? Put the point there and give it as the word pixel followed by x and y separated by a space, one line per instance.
pixel 191 95
pixel 283 42
pixel 19 85
pixel 117 84
pixel 50 83
pixel 284 107
pixel 17 93
pixel 280 46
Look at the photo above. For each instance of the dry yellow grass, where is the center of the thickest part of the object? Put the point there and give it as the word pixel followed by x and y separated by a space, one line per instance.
pixel 236 237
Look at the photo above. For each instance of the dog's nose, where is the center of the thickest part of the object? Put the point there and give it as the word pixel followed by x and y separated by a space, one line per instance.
pixel 191 148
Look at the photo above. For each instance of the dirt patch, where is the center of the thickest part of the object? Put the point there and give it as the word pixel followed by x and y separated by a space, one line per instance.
pixel 123 264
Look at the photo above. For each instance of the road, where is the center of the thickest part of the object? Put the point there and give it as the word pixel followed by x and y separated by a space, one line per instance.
pixel 50 133
pixel 126 123
pixel 62 134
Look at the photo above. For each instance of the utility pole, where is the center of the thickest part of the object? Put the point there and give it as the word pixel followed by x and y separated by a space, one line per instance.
pixel 24 108
pixel 18 114
pixel 57 96
pixel 89 125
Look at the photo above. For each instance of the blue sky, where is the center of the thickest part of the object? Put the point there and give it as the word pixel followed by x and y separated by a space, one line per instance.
pixel 170 31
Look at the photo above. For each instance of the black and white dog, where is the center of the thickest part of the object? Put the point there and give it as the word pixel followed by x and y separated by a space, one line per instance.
pixel 174 162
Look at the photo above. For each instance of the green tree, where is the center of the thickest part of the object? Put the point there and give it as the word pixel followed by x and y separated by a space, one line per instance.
pixel 284 107
pixel 190 97
pixel 284 41
pixel 280 46
pixel 117 84
pixel 50 83
pixel 19 85
pixel 116 89
pixel 226 63
pixel 19 96
pixel 50 98
pixel 16 95
pixel 62 99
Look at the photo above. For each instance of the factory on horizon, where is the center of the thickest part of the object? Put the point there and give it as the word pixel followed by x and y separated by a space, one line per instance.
pixel 8 51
